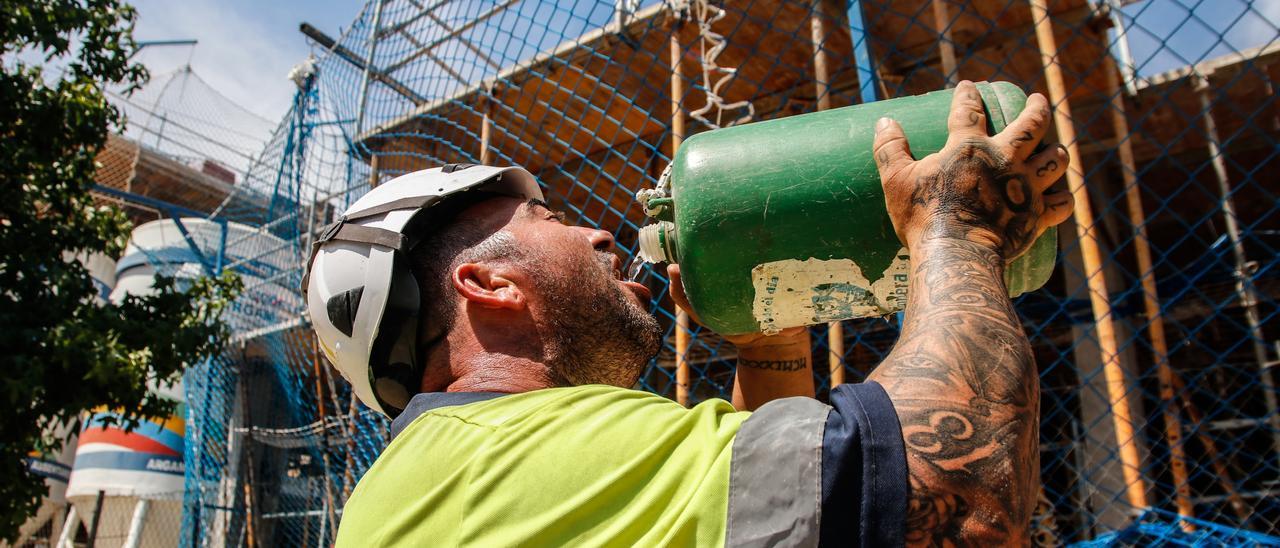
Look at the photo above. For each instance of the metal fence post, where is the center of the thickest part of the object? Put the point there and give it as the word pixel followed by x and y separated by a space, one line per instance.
pixel 867 75
pixel 97 516
pixel 137 524
pixel 69 526
pixel 368 67
pixel 1244 279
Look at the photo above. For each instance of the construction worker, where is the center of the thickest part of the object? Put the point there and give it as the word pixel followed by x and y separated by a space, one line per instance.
pixel 503 343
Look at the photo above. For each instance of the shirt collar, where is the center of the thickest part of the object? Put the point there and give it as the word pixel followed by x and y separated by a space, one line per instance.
pixel 428 401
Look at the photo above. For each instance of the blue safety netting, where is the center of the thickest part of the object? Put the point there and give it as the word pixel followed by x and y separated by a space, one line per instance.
pixel 1175 124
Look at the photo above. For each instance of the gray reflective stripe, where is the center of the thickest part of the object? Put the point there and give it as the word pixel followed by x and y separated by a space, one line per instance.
pixel 775 475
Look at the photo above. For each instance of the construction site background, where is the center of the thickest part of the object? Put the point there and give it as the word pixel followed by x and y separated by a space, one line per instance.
pixel 1154 337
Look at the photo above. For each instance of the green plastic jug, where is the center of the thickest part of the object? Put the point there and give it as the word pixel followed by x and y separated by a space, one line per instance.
pixel 782 223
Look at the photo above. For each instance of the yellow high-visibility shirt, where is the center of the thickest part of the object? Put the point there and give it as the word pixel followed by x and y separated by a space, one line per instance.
pixel 605 466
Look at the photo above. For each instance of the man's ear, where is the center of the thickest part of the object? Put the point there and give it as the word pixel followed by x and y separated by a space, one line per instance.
pixel 487 285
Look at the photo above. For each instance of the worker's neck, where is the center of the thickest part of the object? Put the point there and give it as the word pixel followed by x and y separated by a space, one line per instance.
pixel 467 366
pixel 502 373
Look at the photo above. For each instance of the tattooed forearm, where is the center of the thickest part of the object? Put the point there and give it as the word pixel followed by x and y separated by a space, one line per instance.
pixel 963 381
pixel 774 365
pixel 962 377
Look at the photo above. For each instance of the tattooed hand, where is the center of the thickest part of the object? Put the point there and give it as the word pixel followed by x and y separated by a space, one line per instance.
pixel 988 190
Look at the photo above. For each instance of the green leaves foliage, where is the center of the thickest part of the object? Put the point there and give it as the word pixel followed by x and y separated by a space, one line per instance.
pixel 64 353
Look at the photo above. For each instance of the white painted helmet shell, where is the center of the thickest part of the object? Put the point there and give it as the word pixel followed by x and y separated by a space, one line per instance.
pixel 361 296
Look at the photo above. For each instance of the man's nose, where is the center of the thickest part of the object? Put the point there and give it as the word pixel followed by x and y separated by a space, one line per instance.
pixel 602 240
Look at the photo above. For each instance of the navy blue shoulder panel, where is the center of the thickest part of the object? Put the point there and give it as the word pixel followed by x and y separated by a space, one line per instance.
pixel 424 402
pixel 864 470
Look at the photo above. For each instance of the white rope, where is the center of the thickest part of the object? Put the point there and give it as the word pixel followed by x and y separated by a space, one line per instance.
pixel 711 44
pixel 307 435
pixel 715 77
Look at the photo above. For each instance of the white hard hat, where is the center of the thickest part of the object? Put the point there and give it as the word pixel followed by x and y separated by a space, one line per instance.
pixel 361 294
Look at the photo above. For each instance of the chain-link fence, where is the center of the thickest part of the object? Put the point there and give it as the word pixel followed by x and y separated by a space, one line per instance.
pixel 1153 338
pixel 106 521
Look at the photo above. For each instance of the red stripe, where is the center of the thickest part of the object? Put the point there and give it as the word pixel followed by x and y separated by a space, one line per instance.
pixel 136 442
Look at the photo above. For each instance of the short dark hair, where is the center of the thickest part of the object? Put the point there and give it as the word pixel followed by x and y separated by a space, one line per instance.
pixel 444 242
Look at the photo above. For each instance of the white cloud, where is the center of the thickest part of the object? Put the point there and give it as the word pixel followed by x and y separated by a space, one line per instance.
pixel 239 53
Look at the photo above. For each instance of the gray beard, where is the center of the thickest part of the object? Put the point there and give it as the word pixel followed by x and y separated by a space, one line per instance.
pixel 599 334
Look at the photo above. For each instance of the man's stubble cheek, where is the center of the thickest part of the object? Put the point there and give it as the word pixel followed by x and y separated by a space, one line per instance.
pixel 605 337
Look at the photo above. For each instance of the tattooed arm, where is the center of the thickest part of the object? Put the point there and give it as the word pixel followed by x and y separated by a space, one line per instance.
pixel 962 377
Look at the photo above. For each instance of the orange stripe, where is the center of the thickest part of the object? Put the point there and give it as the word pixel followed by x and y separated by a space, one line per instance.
pixel 136 442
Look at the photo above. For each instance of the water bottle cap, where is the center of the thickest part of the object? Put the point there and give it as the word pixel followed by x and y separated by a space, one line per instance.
pixel 652 243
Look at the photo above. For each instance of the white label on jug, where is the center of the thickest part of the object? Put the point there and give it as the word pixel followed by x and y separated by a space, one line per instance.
pixel 793 292
pixel 891 289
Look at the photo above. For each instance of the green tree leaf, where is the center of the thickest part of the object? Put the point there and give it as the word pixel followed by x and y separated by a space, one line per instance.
pixel 63 352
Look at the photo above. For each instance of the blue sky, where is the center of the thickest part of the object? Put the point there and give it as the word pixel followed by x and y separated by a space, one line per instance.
pixel 247 47
pixel 1168 34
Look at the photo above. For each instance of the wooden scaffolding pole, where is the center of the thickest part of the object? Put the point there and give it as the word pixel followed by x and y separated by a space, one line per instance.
pixel 250 501
pixel 821 68
pixel 946 48
pixel 486 129
pixel 348 431
pixel 822 90
pixel 677 137
pixel 1100 299
pixel 1150 298
pixel 835 352
pixel 251 536
pixel 324 432
pixel 348 471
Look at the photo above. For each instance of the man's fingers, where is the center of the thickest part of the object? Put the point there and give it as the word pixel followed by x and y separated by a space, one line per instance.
pixel 1048 166
pixel 676 289
pixel 890 148
pixel 967 120
pixel 1019 138
pixel 1057 208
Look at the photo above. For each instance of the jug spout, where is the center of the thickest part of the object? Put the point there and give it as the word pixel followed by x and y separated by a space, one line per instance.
pixel 657 243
